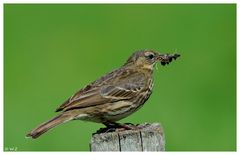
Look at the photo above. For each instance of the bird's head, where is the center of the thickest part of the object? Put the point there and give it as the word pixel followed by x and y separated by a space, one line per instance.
pixel 148 58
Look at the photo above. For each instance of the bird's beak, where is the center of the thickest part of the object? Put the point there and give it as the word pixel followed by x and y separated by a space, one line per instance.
pixel 167 58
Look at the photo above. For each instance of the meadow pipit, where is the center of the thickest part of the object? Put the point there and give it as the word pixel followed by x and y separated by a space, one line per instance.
pixel 112 97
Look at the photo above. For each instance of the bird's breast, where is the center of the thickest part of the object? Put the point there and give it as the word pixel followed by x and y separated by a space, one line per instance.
pixel 145 93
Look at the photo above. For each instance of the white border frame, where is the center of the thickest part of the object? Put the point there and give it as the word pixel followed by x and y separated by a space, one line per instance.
pixel 108 1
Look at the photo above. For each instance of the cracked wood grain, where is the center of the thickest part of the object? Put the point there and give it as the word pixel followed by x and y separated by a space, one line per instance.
pixel 149 137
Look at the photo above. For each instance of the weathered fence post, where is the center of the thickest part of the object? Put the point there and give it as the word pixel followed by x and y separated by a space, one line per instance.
pixel 149 137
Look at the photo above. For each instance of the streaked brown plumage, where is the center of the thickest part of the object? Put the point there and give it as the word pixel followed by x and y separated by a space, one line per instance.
pixel 113 96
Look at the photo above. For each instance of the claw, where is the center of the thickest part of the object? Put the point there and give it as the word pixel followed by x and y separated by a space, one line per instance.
pixel 116 127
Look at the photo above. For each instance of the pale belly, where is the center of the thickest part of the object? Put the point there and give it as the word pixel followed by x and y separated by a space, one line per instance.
pixel 111 112
pixel 118 113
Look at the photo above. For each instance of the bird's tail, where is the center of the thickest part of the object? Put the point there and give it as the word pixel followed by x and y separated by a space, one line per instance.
pixel 44 127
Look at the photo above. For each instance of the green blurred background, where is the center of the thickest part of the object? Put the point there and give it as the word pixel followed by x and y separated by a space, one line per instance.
pixel 51 51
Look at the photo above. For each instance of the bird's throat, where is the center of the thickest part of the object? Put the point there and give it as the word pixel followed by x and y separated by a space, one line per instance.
pixel 149 67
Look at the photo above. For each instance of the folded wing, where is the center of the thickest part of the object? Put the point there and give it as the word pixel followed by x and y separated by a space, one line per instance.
pixel 124 89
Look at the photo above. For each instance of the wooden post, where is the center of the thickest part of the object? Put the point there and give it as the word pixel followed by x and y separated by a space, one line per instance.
pixel 149 137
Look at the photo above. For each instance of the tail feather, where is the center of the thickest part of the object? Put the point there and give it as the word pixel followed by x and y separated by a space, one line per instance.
pixel 35 133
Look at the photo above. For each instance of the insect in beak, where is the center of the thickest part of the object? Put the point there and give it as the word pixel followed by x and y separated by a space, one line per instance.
pixel 167 58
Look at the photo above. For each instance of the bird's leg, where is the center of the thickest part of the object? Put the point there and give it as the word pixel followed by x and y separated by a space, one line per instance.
pixel 131 124
pixel 113 126
pixel 110 124
pixel 128 126
pixel 109 128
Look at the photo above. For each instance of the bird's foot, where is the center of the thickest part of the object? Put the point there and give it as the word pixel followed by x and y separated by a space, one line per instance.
pixel 117 127
pixel 113 126
pixel 105 130
pixel 128 126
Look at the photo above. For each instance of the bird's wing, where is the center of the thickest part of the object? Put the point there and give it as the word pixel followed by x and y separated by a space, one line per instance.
pixel 125 87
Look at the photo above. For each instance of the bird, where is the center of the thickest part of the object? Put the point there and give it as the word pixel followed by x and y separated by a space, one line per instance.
pixel 113 96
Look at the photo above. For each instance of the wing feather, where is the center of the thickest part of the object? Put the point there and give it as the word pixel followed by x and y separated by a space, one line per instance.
pixel 124 89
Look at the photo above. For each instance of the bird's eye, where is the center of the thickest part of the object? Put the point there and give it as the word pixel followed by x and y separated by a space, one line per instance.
pixel 150 56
